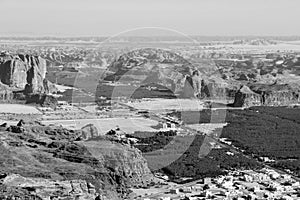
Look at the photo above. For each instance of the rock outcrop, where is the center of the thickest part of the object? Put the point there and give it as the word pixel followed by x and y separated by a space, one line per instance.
pixel 266 95
pixel 277 94
pixel 44 162
pixel 245 97
pixel 25 72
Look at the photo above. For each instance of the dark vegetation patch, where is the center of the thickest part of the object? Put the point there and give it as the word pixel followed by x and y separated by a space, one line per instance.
pixel 292 114
pixel 193 117
pixel 189 164
pixel 149 141
pixel 292 165
pixel 261 131
pixel 217 162
pixel 265 132
pixel 203 116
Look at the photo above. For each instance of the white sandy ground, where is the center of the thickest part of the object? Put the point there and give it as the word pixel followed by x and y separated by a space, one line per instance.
pixel 129 125
pixel 9 122
pixel 18 109
pixel 90 109
pixel 167 104
pixel 62 88
pixel 206 128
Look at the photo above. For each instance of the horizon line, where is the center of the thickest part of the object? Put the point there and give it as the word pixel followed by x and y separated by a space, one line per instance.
pixel 144 36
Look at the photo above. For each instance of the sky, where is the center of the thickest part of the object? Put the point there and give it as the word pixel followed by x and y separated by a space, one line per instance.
pixel 111 17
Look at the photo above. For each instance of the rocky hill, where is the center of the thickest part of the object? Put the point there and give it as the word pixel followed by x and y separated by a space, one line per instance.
pixel 46 162
pixel 145 67
pixel 142 61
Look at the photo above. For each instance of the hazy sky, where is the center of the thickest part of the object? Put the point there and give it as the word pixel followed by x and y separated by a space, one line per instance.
pixel 109 17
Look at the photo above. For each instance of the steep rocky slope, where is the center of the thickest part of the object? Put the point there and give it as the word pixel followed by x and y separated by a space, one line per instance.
pixel 44 162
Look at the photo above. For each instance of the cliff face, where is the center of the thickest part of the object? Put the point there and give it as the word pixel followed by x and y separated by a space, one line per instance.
pixel 245 97
pixel 123 160
pixel 266 95
pixel 277 94
pixel 23 72
pixel 41 161
pixel 13 72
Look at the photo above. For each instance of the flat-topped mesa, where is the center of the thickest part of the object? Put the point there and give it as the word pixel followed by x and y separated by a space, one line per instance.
pixel 25 72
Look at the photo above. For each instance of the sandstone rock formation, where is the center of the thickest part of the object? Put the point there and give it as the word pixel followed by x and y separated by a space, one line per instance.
pixel 23 72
